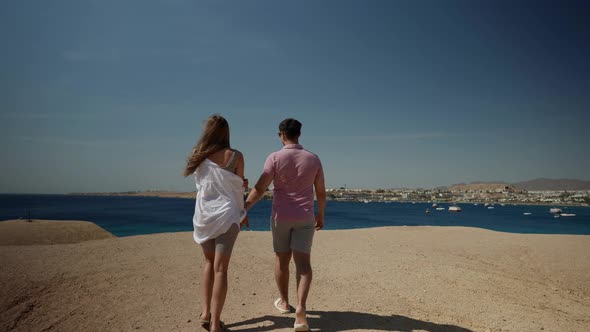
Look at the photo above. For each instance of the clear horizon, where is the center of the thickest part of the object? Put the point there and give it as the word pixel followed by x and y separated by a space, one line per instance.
pixel 110 96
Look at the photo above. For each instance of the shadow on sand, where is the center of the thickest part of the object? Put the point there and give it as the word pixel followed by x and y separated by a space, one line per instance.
pixel 334 321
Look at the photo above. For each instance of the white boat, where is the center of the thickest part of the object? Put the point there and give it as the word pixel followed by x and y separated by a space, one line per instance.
pixel 454 208
pixel 490 207
pixel 567 214
pixel 475 204
pixel 434 205
pixel 365 201
pixel 527 213
pixel 440 209
pixel 555 210
pixel 486 204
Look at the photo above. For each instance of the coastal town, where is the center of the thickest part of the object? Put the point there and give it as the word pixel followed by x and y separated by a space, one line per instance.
pixel 491 194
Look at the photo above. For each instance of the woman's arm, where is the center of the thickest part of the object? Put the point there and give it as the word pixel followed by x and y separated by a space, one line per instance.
pixel 240 172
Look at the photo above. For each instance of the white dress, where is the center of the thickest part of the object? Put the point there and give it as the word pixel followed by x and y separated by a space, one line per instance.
pixel 219 203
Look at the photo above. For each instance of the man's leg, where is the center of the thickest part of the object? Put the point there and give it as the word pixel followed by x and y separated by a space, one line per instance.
pixel 304 276
pixel 282 277
pixel 281 241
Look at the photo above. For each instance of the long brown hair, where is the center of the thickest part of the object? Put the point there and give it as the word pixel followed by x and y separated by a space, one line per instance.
pixel 215 138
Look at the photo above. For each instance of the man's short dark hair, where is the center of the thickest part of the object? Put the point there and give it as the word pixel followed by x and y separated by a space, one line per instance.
pixel 291 128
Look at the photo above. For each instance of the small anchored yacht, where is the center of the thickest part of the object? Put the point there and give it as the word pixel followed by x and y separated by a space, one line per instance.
pixel 454 208
pixel 567 214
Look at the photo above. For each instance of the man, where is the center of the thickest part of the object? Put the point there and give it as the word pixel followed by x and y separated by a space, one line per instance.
pixel 294 173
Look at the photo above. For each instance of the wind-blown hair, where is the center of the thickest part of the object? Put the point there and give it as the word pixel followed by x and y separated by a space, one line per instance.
pixel 215 138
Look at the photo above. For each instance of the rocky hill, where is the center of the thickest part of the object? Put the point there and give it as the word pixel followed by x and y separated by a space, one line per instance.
pixel 534 185
pixel 553 184
pixel 476 186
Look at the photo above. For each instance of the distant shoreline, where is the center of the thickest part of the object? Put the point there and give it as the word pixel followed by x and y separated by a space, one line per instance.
pixel 192 195
pixel 268 196
pixel 160 194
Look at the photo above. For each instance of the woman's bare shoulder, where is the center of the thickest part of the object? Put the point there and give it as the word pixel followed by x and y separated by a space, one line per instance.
pixel 220 156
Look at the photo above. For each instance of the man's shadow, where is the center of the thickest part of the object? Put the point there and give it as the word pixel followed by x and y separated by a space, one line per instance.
pixel 334 321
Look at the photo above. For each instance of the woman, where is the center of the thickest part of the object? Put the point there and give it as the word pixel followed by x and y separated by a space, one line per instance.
pixel 219 208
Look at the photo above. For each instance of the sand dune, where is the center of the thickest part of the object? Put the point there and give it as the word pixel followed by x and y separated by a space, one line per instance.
pixel 381 279
pixel 22 232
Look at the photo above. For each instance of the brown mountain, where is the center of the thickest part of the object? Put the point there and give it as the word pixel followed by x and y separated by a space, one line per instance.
pixel 492 186
pixel 553 184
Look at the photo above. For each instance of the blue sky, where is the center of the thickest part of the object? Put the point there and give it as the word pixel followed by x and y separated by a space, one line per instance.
pixel 111 95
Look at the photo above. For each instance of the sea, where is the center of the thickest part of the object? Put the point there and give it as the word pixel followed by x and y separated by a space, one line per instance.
pixel 128 216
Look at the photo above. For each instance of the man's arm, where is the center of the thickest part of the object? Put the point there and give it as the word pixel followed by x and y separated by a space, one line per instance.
pixel 320 193
pixel 258 190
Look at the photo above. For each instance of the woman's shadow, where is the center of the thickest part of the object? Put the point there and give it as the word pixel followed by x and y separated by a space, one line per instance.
pixel 334 321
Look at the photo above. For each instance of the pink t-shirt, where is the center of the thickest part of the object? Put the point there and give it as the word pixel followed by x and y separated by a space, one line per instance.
pixel 294 171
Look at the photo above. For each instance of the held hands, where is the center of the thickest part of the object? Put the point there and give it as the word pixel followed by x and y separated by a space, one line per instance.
pixel 319 222
pixel 245 222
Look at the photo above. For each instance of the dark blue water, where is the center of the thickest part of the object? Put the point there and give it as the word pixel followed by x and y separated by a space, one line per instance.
pixel 124 216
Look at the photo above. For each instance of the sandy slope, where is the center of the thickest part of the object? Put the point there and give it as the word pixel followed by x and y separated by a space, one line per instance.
pixel 381 279
pixel 22 232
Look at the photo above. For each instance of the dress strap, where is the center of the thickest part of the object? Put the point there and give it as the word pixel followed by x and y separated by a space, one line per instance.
pixel 230 166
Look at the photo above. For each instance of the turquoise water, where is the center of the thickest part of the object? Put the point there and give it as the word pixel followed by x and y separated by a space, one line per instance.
pixel 125 216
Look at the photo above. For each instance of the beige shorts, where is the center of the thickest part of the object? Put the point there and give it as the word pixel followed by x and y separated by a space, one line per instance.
pixel 295 235
pixel 224 243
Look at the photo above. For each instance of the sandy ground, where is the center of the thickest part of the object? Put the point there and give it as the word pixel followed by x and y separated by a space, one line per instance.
pixel 380 279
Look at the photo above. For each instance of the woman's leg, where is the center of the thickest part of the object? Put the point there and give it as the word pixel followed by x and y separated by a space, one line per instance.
pixel 219 288
pixel 223 249
pixel 207 278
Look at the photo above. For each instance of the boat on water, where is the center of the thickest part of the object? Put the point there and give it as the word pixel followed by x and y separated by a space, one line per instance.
pixel 427 210
pixel 454 208
pixel 527 213
pixel 567 214
pixel 555 210
pixel 490 207
pixel 440 209
pixel 486 204
pixel 434 205
pixel 475 204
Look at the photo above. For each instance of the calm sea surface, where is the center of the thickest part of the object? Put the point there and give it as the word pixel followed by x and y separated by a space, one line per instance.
pixel 125 216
